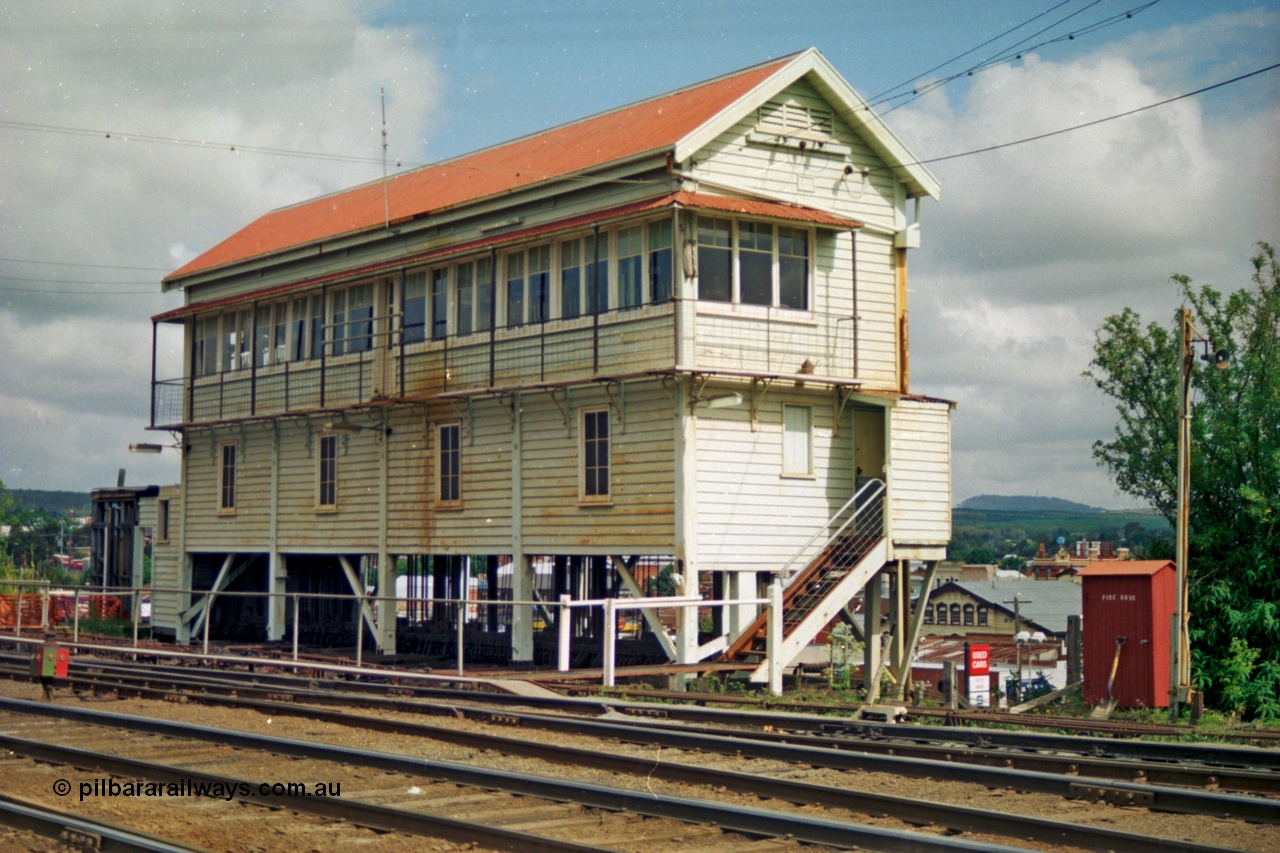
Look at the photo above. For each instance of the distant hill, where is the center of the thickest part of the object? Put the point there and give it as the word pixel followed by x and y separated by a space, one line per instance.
pixel 1024 503
pixel 55 503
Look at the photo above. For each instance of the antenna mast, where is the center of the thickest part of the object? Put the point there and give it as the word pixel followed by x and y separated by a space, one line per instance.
pixel 386 203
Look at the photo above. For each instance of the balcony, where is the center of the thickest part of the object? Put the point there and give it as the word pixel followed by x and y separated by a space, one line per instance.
pixel 701 336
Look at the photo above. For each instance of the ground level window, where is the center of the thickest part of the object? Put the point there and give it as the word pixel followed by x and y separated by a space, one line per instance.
pixel 797 441
pixel 595 456
pixel 327 473
pixel 448 464
pixel 227 462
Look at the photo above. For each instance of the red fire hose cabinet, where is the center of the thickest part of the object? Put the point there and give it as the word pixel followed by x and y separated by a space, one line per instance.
pixel 1128 607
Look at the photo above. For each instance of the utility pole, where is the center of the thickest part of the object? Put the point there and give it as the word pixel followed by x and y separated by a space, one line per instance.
pixel 1180 640
pixel 1017 603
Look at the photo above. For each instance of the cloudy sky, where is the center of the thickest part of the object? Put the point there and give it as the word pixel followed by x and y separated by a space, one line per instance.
pixel 135 135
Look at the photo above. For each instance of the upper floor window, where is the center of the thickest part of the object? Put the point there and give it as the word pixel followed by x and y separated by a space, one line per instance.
pixel 464 304
pixel 271 327
pixel 351 319
pixel 484 294
pixel 307 327
pixel 235 340
pixel 414 320
pixel 753 263
pixel 968 614
pixel 955 614
pixel 715 259
pixel 982 616
pixel 439 304
pixel 942 614
pixel 630 267
pixel 660 260
pixel 595 256
pixel 204 355
pixel 515 289
pixel 539 284
pixel 928 614
pixel 571 278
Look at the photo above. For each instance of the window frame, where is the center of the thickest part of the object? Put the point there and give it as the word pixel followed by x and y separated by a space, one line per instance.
pixel 453 449
pixel 326 493
pixel 228 477
pixel 589 420
pixel 755 232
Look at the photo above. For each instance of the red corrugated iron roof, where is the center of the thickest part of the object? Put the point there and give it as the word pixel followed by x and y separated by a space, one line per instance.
pixel 1124 567
pixel 565 150
pixel 695 201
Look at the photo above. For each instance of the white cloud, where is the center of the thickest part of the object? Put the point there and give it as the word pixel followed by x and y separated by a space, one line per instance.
pixel 299 76
pixel 1035 244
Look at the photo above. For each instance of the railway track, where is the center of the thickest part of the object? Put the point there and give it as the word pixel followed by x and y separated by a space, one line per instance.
pixel 753 747
pixel 495 809
pixel 77 831
pixel 1208 767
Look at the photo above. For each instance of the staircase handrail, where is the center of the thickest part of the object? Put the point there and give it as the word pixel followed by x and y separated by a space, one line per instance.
pixel 867 494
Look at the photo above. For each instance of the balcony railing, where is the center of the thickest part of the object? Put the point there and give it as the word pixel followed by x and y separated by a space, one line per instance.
pixel 717 336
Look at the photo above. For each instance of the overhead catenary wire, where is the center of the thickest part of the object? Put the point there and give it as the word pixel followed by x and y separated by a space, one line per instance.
pixel 1014 53
pixel 878 97
pixel 1083 125
pixel 74 264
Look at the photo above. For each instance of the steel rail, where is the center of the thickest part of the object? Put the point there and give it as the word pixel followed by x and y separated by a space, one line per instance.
pixel 77 831
pixel 731 818
pixel 1093 762
pixel 1239 769
pixel 960 818
pixel 364 814
pixel 1123 793
pixel 1018 754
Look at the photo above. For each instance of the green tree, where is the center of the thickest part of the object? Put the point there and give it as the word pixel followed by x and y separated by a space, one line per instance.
pixel 1234 561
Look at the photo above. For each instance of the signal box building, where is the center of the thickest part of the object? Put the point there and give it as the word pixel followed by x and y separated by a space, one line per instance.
pixel 673 334
pixel 1128 607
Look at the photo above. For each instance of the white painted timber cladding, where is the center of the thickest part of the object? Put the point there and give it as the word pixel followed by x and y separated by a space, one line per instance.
pixel 815 178
pixel 750 516
pixel 920 473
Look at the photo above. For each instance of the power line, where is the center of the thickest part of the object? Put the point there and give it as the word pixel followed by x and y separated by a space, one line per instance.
pixel 190 143
pixel 71 264
pixel 1016 51
pixel 43 290
pixel 1060 131
pixel 877 98
pixel 70 280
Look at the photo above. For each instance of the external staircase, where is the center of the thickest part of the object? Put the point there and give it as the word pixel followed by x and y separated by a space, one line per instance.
pixel 816 594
